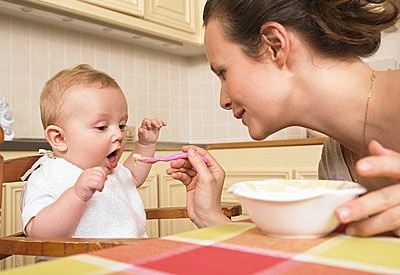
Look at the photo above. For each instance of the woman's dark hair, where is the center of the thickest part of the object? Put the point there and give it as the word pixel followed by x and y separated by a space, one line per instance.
pixel 340 29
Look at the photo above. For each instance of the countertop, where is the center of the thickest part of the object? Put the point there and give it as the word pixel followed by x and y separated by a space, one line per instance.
pixel 26 144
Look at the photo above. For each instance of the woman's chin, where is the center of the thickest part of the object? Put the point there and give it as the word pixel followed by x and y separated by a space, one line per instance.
pixel 256 135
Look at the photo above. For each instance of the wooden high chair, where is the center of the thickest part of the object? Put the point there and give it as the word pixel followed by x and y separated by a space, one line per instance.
pixel 18 244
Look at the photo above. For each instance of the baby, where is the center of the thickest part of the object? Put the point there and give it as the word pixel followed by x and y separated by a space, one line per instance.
pixel 80 189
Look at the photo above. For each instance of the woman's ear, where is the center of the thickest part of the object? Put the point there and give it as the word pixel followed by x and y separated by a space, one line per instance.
pixel 276 42
pixel 55 136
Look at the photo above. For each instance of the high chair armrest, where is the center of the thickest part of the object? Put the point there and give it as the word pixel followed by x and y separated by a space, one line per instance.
pixel 18 244
pixel 230 210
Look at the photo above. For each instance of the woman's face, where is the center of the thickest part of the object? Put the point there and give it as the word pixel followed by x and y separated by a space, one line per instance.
pixel 253 90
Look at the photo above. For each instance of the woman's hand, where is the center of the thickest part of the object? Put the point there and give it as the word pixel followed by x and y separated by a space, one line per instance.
pixel 203 183
pixel 378 211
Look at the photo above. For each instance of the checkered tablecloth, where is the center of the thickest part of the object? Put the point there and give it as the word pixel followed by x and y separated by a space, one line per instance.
pixel 234 248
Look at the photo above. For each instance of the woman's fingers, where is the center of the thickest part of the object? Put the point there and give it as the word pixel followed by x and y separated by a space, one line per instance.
pixel 182 177
pixel 370 204
pixel 378 211
pixel 382 163
pixel 212 169
pixel 199 150
pixel 379 166
pixel 189 172
pixel 180 163
pixel 198 165
pixel 388 220
pixel 375 148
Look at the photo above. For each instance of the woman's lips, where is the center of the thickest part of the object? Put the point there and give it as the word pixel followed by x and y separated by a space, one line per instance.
pixel 239 115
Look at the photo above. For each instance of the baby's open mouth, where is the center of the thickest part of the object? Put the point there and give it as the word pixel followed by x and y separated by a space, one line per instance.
pixel 112 159
pixel 112 154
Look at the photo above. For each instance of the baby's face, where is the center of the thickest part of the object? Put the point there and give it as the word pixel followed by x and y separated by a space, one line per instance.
pixel 94 129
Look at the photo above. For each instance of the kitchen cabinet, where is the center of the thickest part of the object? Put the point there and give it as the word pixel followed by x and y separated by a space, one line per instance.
pixel 179 14
pixel 176 20
pixel 159 190
pixel 11 221
pixel 133 7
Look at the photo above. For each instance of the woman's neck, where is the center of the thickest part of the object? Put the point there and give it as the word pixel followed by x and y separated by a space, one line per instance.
pixel 337 94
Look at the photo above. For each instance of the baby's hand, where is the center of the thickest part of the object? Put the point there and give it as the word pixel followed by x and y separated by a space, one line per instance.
pixel 90 181
pixel 149 130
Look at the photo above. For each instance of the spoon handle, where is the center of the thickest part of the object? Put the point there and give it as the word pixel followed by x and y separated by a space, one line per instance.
pixel 179 156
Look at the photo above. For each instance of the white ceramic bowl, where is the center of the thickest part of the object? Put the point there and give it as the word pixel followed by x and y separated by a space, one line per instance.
pixel 295 208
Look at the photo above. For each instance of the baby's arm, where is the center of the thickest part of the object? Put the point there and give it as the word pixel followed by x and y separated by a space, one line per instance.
pixel 147 137
pixel 60 218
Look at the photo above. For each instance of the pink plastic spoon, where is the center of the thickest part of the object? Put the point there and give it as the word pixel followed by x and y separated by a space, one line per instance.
pixel 155 159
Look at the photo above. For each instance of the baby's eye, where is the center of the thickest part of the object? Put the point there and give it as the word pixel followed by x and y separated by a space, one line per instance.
pixel 122 126
pixel 101 128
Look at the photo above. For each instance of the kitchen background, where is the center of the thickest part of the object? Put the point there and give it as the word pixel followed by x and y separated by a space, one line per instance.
pixel 179 89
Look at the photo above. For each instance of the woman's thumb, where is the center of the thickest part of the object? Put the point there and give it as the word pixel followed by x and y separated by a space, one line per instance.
pixel 196 161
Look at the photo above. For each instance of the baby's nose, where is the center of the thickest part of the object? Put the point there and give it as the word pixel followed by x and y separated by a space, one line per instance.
pixel 117 135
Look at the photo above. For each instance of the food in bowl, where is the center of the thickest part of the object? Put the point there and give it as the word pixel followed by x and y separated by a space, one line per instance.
pixel 295 208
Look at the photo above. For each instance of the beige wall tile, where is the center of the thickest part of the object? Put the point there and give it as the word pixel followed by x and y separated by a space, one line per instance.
pixel 20 66
pixel 5 86
pixel 5 64
pixel 5 45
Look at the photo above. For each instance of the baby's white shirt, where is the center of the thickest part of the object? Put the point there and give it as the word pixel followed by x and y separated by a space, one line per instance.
pixel 116 212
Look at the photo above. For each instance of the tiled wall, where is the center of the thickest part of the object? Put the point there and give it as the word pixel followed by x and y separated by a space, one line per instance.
pixel 180 90
pixel 155 83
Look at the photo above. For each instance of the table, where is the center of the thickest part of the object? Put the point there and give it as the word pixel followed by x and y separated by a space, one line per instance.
pixel 233 248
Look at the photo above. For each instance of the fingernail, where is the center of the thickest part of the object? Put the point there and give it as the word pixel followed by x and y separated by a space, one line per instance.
pixel 351 231
pixel 364 166
pixel 344 214
pixel 191 152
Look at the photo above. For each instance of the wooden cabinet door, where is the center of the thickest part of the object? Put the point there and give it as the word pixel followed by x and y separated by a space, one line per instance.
pixel 11 221
pixel 178 14
pixel 149 194
pixel 133 7
pixel 173 193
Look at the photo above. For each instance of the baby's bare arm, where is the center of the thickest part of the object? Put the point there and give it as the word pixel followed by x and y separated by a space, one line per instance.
pixel 140 170
pixel 147 137
pixel 59 219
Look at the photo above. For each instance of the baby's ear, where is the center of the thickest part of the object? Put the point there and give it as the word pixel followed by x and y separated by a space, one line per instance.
pixel 55 136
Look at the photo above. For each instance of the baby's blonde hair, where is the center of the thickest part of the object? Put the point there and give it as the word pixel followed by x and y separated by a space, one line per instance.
pixel 53 96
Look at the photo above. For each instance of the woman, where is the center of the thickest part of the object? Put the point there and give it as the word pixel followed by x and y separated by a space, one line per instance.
pixel 283 63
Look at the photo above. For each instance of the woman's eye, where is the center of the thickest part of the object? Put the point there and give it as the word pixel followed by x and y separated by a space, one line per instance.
pixel 221 74
pixel 122 127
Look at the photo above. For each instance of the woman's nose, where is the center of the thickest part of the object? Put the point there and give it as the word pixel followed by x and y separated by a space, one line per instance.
pixel 224 100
